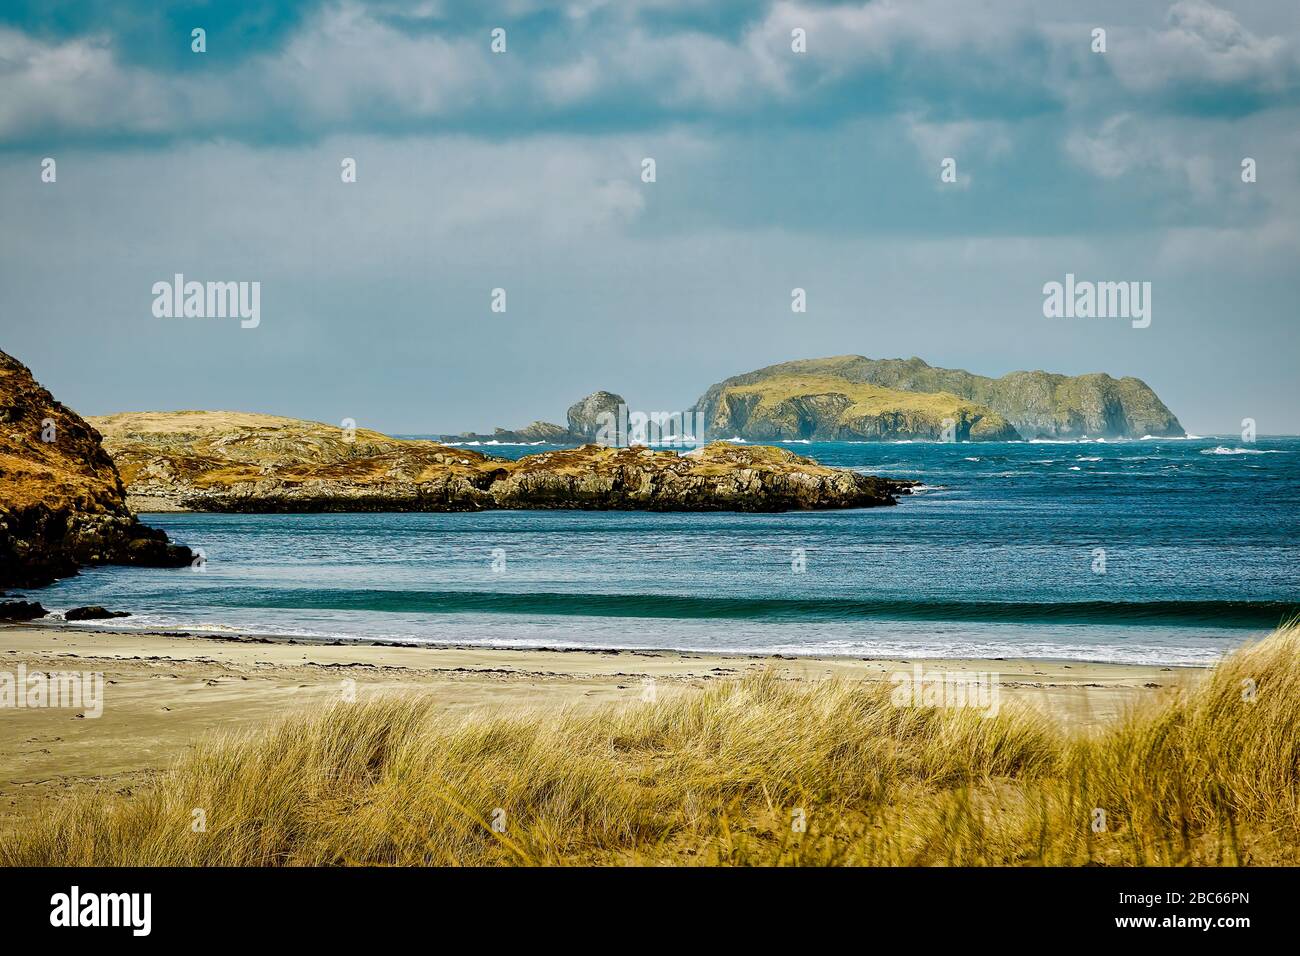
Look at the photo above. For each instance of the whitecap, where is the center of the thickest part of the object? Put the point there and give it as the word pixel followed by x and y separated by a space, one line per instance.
pixel 1223 450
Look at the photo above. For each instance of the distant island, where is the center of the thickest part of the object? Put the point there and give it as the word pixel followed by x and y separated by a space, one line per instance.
pixel 854 398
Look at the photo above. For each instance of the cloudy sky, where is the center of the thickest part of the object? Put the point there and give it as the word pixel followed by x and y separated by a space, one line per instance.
pixel 522 170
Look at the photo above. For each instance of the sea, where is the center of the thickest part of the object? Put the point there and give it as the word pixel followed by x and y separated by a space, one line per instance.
pixel 1158 551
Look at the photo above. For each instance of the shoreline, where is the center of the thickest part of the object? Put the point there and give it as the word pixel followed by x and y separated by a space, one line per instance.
pixel 54 622
pixel 165 691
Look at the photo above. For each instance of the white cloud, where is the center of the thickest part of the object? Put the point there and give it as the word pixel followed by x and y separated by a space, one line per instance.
pixel 1204 46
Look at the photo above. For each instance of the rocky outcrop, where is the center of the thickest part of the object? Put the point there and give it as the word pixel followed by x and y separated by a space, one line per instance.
pixel 62 503
pixel 585 415
pixel 1034 404
pixel 21 611
pixel 716 477
pixel 228 461
pixel 92 612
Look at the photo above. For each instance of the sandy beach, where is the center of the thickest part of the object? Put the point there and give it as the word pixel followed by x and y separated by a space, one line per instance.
pixel 163 692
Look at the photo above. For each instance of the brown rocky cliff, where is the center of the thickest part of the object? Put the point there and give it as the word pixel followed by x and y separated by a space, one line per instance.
pixel 62 503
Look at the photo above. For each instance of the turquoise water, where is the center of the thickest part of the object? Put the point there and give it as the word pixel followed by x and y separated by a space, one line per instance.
pixel 995 557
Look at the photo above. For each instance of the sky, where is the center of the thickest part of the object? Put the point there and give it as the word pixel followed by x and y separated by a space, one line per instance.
pixel 522 170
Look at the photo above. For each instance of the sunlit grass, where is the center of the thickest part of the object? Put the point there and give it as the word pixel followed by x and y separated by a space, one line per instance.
pixel 1207 775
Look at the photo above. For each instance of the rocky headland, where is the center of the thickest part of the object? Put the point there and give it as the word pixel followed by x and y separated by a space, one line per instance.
pixel 62 502
pixel 240 462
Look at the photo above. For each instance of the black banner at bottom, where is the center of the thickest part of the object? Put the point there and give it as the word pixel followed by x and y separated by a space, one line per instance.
pixel 329 906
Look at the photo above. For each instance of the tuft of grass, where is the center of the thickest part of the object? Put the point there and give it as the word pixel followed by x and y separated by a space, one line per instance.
pixel 726 776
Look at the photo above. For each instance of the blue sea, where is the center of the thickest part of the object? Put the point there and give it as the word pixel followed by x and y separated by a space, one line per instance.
pixel 1001 553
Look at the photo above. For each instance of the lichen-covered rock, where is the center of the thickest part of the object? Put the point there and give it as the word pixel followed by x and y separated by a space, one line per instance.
pixel 1035 404
pixel 226 461
pixel 62 504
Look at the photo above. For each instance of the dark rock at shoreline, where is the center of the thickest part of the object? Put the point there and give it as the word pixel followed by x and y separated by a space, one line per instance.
pixel 62 502
pixel 21 611
pixel 92 612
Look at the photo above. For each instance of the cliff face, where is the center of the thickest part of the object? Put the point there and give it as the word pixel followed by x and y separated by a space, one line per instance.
pixel 227 461
pixel 1035 404
pixel 62 503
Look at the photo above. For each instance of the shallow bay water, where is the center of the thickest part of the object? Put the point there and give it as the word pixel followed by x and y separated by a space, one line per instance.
pixel 1000 554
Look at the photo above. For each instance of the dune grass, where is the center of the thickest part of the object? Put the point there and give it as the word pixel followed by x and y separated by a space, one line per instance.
pixel 725 775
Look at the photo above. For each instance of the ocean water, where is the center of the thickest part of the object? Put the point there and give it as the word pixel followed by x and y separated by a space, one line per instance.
pixel 996 556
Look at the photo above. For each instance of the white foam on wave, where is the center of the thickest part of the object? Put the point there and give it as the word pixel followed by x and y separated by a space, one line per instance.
pixel 1224 450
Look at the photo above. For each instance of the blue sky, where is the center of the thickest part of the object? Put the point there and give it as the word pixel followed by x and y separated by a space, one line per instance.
pixel 522 171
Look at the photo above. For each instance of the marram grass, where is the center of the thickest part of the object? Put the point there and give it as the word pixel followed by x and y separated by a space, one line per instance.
pixel 1209 775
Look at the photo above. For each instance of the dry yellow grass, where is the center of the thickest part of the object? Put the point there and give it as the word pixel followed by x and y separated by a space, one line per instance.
pixel 1210 775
